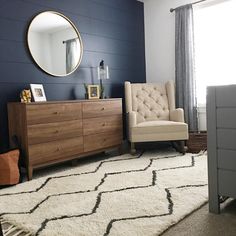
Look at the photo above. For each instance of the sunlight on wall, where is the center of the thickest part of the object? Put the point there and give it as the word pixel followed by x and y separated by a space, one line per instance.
pixel 215 46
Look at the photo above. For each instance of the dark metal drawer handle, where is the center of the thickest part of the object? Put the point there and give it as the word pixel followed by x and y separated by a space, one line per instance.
pixel 103 109
pixel 103 124
pixel 56 113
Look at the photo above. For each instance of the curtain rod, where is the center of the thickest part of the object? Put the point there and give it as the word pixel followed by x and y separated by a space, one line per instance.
pixel 69 40
pixel 173 9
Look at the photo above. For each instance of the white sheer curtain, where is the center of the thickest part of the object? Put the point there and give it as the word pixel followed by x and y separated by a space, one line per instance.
pixel 72 54
pixel 215 46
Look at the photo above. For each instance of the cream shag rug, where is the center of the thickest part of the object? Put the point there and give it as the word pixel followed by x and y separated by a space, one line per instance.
pixel 123 195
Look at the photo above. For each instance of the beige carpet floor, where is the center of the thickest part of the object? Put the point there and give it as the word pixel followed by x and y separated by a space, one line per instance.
pixel 203 223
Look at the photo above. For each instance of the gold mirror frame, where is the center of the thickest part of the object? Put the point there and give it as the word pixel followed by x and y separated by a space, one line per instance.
pixel 77 32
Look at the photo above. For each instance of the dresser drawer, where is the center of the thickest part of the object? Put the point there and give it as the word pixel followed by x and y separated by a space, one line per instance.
pixel 100 141
pixel 102 124
pixel 46 113
pixel 99 109
pixel 41 133
pixel 46 152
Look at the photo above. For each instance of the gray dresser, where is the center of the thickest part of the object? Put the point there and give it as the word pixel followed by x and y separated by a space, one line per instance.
pixel 221 144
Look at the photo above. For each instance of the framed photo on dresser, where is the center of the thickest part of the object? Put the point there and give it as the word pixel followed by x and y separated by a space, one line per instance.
pixel 38 92
pixel 93 92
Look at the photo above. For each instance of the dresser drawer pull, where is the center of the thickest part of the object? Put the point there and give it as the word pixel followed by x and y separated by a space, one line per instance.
pixel 58 149
pixel 103 124
pixel 57 131
pixel 104 140
pixel 103 109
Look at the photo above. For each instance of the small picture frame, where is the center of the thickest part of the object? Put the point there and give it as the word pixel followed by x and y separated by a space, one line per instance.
pixel 38 92
pixel 93 92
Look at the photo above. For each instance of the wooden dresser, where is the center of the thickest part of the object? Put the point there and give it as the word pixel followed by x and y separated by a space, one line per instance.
pixel 53 132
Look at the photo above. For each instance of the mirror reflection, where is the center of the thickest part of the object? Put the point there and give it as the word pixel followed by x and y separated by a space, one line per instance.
pixel 55 43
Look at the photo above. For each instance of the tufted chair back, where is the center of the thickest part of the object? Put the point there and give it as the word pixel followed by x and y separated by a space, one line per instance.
pixel 150 101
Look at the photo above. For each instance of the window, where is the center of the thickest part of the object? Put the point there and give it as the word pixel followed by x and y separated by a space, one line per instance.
pixel 215 46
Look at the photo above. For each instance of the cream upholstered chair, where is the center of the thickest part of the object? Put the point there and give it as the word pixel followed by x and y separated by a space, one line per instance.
pixel 152 116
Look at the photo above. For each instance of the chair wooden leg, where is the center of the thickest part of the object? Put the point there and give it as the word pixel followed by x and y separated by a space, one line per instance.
pixel 180 146
pixel 1 231
pixel 132 148
pixel 183 149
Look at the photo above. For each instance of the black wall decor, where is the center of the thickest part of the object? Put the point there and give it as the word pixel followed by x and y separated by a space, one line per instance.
pixel 112 30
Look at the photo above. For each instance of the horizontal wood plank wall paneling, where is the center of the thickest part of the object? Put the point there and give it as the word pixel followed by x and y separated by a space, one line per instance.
pixel 112 30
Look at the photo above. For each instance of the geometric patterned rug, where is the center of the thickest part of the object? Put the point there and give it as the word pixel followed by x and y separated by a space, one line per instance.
pixel 119 196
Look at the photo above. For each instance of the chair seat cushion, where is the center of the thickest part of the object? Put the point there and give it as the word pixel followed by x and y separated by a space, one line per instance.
pixel 159 131
pixel 161 126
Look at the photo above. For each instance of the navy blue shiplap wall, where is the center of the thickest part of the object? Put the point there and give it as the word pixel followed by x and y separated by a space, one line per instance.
pixel 112 30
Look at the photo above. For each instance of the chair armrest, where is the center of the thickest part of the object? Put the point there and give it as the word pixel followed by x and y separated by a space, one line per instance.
pixel 131 121
pixel 131 118
pixel 177 115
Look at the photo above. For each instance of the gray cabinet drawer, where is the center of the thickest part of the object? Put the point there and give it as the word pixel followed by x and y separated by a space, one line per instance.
pixel 227 183
pixel 226 117
pixel 226 139
pixel 227 159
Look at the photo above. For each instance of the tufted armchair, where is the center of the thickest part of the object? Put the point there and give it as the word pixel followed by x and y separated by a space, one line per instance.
pixel 151 114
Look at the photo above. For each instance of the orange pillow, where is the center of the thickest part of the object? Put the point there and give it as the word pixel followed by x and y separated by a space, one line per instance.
pixel 9 171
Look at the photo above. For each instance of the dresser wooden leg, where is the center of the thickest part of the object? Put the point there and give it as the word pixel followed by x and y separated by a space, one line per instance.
pixel 30 172
pixel 74 162
pixel 120 150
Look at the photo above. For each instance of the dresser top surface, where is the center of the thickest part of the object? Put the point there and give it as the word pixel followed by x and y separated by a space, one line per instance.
pixel 68 101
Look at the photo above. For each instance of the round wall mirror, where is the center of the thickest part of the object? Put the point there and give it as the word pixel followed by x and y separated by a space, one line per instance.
pixel 55 43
